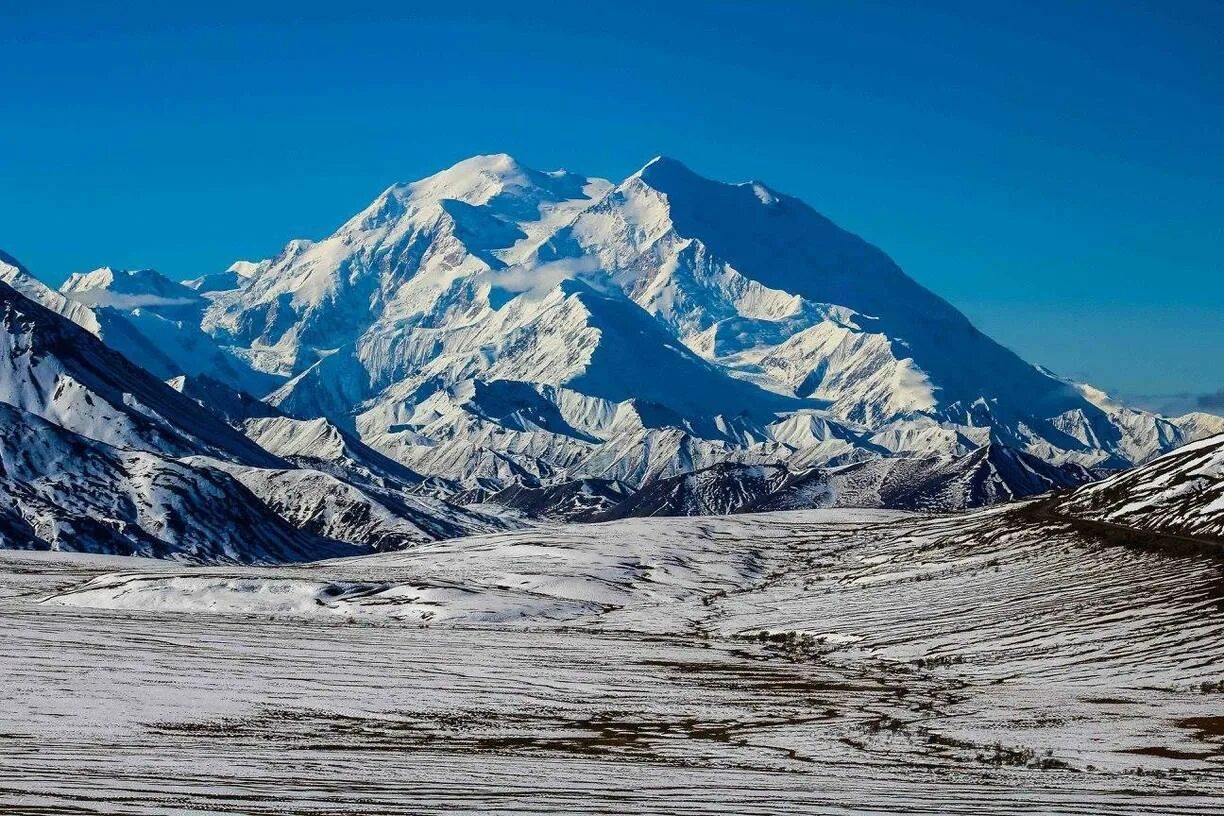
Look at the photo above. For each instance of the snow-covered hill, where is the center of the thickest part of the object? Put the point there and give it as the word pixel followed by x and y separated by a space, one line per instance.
pixel 1181 493
pixel 988 475
pixel 575 500
pixel 714 491
pixel 63 491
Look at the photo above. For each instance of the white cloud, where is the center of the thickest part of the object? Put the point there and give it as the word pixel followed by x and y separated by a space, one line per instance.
pixel 537 281
pixel 119 300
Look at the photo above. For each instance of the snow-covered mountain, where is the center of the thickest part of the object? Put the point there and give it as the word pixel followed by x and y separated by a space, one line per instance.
pixel 567 347
pixel 764 286
pixel 57 370
pixel 98 455
pixel 237 276
pixel 64 491
pixel 143 315
pixel 989 475
pixel 1181 493
pixel 496 325
pixel 575 500
pixel 718 490
pixel 985 476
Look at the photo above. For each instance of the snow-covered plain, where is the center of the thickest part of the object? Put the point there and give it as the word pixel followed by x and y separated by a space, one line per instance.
pixel 832 661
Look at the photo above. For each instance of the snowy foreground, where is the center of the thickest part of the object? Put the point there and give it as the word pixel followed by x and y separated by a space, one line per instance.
pixel 819 661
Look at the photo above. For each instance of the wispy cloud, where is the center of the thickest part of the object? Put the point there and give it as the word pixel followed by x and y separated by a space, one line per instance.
pixel 537 281
pixel 1211 402
pixel 1177 404
pixel 118 300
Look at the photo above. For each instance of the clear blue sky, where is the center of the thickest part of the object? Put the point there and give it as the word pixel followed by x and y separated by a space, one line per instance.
pixel 1056 170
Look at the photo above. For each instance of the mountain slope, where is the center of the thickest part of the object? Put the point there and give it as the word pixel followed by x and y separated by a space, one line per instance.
pixel 142 315
pixel 986 476
pixel 760 283
pixel 166 315
pixel 130 465
pixel 714 491
pixel 1180 493
pixel 577 500
pixel 57 370
pixel 60 490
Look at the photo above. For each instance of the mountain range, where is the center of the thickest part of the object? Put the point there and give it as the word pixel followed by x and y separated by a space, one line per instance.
pixel 498 336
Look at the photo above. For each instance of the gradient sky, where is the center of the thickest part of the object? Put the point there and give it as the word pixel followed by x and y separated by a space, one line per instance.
pixel 1056 170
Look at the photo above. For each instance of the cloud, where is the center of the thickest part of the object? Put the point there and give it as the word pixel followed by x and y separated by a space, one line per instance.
pixel 1211 402
pixel 118 300
pixel 537 281
pixel 1174 405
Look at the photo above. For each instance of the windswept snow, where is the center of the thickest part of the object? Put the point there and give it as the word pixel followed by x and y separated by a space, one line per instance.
pixel 835 661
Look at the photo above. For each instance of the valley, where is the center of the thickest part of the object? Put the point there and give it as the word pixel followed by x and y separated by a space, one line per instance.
pixel 837 661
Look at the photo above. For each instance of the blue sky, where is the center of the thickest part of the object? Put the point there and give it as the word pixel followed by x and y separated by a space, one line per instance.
pixel 1056 170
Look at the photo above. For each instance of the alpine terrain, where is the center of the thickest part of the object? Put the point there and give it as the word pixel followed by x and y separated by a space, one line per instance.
pixel 530 491
pixel 553 344
pixel 494 325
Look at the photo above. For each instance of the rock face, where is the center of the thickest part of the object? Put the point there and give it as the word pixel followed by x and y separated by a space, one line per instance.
pixel 1180 493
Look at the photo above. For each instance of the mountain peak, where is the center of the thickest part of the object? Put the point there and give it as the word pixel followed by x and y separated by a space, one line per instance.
pixel 664 170
pixel 492 161
pixel 498 179
pixel 672 176
pixel 8 260
pixel 107 286
pixel 494 165
pixel 248 269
